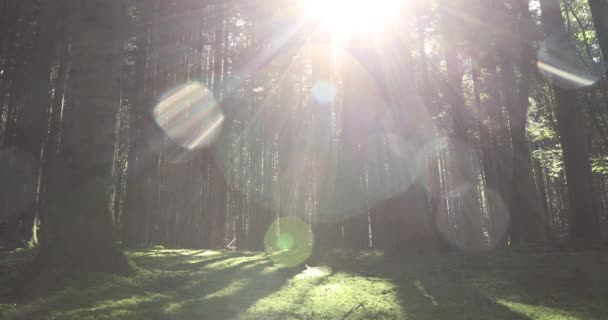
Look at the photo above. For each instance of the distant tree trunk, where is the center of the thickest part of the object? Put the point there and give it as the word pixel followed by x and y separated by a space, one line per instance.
pixel 79 226
pixel 526 214
pixel 216 205
pixel 139 157
pixel 432 170
pixel 487 151
pixel 539 178
pixel 464 176
pixel 571 126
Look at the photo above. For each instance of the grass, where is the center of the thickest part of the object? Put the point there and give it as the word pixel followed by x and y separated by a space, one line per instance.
pixel 203 284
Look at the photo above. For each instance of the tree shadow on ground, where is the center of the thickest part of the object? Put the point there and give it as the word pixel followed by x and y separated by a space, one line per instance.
pixel 494 285
pixel 182 284
pixel 428 296
pixel 172 260
pixel 427 293
pixel 226 301
pixel 569 284
pixel 217 286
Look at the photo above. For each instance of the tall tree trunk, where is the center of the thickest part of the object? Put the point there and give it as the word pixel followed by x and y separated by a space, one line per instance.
pixel 219 189
pixel 432 171
pixel 351 158
pixel 32 119
pixel 139 157
pixel 526 214
pixel 571 126
pixel 79 226
pixel 539 178
pixel 464 176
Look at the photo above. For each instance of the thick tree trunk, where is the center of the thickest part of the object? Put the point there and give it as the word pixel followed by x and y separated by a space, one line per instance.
pixel 32 118
pixel 571 126
pixel 79 226
pixel 51 144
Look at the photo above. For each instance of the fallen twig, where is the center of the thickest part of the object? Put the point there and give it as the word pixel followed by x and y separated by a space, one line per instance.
pixel 353 309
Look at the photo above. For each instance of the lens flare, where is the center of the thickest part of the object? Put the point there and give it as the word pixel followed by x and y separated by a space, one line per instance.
pixel 559 61
pixel 324 92
pixel 190 116
pixel 345 18
pixel 288 241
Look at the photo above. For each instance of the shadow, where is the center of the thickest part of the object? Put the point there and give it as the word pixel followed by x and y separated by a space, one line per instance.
pixel 571 284
pixel 427 296
pixel 166 260
pixel 249 287
pixel 193 265
pixel 427 293
pixel 166 286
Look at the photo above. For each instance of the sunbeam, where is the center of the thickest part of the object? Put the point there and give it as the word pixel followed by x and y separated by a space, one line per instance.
pixel 343 19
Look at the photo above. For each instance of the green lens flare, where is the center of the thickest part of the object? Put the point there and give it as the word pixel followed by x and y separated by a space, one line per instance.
pixel 288 241
pixel 285 242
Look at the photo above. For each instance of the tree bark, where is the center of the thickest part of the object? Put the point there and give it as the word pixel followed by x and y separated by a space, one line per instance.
pixel 79 226
pixel 571 126
pixel 464 176
pixel 526 214
pixel 138 156
pixel 32 118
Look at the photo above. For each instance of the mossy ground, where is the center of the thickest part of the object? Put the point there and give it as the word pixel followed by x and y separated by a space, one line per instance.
pixel 202 284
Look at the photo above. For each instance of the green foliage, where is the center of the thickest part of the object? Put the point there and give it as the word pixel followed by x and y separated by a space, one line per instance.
pixel 541 130
pixel 542 133
pixel 190 284
pixel 600 165
pixel 552 159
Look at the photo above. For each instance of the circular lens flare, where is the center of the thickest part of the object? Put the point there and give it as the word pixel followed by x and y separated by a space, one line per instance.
pixel 190 116
pixel 324 92
pixel 288 241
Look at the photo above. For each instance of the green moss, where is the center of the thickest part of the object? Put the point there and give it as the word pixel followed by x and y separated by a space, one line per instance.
pixel 201 284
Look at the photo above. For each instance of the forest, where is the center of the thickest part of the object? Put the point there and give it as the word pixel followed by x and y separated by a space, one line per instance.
pixel 303 159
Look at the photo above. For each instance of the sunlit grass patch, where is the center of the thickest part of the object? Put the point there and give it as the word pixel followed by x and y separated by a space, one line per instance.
pixel 234 262
pixel 540 312
pixel 316 293
pixel 313 272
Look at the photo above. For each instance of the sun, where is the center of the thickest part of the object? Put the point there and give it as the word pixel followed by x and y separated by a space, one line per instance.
pixel 344 19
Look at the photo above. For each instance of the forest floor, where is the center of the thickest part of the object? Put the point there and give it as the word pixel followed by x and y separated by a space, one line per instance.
pixel 191 284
